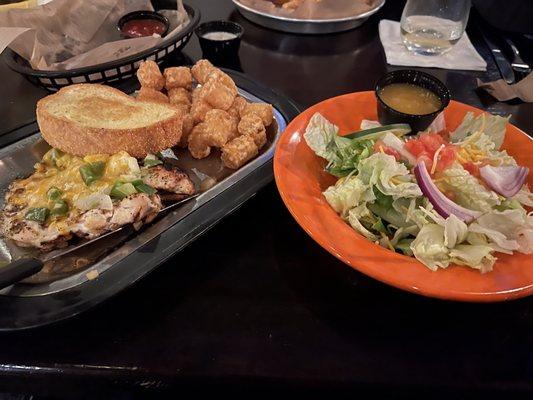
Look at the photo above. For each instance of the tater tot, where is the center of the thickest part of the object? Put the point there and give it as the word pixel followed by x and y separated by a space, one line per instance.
pixel 196 93
pixel 239 151
pixel 197 145
pixel 177 77
pixel 238 105
pixel 179 96
pixel 150 76
pixel 188 126
pixel 263 110
pixel 199 109
pixel 291 4
pixel 218 128
pixel 234 126
pixel 184 108
pixel 223 78
pixel 152 95
pixel 201 71
pixel 217 94
pixel 252 125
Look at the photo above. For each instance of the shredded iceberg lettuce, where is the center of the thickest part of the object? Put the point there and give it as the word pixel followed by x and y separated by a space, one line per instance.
pixel 343 155
pixel 320 135
pixel 455 231
pixel 389 176
pixel 469 192
pixel 480 147
pixel 380 198
pixel 524 197
pixel 480 139
pixel 348 156
pixel 429 248
pixel 348 193
pixel 474 256
pixel 492 126
pixel 358 214
pixel 439 246
pixel 507 230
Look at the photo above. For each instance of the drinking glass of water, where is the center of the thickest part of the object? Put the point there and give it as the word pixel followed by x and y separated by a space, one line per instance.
pixel 432 27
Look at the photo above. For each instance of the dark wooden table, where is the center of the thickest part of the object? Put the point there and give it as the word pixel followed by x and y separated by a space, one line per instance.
pixel 255 303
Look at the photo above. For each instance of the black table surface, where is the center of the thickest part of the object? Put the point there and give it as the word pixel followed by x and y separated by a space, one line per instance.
pixel 255 303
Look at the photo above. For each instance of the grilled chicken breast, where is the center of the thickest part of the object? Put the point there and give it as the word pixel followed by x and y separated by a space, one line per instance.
pixel 92 220
pixel 172 181
pixel 30 233
pixel 138 208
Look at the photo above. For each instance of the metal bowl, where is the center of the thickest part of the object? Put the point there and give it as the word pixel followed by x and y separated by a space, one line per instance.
pixel 305 26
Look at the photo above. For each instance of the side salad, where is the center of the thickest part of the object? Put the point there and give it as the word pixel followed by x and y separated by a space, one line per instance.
pixel 444 198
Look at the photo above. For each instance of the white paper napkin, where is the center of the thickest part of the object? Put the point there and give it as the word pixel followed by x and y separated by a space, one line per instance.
pixel 462 56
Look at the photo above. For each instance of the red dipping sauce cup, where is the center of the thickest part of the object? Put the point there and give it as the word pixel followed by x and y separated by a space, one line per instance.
pixel 143 23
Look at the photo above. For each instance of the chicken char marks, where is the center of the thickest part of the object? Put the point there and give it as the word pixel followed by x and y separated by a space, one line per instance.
pixel 138 208
pixel 172 184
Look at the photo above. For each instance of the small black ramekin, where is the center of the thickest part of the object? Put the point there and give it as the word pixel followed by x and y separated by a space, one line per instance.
pixel 143 15
pixel 418 123
pixel 220 52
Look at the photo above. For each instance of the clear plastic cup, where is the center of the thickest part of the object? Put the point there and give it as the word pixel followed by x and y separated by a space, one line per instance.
pixel 432 27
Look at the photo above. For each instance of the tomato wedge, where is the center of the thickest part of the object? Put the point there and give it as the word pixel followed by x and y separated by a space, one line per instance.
pixel 431 142
pixel 446 157
pixel 379 146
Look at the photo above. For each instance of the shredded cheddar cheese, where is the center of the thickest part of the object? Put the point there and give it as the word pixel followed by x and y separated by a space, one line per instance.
pixel 63 173
pixel 461 159
pixel 396 181
pixel 436 158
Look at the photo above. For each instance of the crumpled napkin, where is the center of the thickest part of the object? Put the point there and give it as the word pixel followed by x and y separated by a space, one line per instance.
pixel 502 91
pixel 463 56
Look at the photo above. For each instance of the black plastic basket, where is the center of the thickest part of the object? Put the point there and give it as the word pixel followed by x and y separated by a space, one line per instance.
pixel 112 72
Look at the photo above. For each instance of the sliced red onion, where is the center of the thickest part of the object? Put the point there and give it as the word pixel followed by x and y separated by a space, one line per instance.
pixel 394 142
pixel 506 181
pixel 443 205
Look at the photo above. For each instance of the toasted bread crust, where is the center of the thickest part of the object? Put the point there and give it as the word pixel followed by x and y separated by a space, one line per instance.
pixel 77 139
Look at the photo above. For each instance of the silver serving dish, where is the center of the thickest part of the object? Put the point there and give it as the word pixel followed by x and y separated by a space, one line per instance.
pixel 17 161
pixel 305 26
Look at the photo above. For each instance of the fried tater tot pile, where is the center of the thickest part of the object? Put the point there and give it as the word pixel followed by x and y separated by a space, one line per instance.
pixel 150 76
pixel 216 117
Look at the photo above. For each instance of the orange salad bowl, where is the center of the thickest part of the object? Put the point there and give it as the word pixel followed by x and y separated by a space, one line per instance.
pixel 301 179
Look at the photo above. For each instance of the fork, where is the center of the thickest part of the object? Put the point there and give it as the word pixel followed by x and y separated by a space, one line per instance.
pixel 519 66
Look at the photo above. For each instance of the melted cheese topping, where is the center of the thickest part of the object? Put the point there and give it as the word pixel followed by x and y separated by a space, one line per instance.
pixel 63 172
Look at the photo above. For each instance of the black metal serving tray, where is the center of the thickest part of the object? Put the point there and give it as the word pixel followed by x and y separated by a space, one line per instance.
pixel 112 72
pixel 24 306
